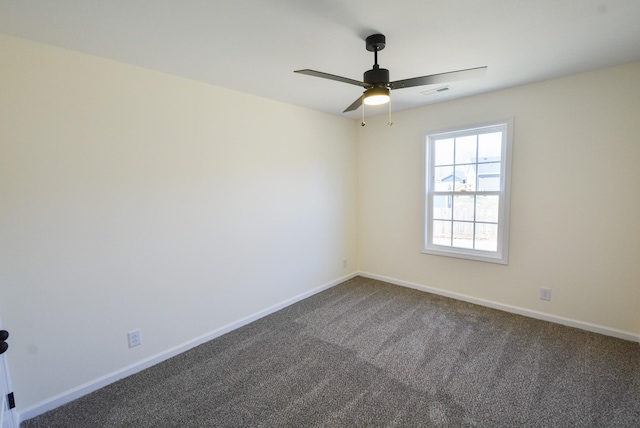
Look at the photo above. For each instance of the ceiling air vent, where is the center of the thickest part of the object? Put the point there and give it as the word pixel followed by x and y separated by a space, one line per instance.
pixel 436 90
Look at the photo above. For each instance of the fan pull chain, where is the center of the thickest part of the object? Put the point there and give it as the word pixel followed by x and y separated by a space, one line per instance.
pixel 390 123
pixel 363 122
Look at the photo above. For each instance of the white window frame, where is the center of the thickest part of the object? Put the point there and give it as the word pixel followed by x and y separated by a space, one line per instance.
pixel 500 256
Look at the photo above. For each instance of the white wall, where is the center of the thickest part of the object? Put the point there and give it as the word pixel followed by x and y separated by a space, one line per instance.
pixel 575 201
pixel 134 199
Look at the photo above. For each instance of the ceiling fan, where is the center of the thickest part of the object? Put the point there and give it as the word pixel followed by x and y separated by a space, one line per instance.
pixel 376 81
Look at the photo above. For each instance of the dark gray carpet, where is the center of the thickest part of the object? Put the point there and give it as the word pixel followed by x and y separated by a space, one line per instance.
pixel 367 353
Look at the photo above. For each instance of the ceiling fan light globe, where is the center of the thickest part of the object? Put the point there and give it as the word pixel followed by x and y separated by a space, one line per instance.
pixel 376 100
pixel 376 96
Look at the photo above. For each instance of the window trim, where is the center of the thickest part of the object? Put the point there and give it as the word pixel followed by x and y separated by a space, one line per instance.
pixel 501 256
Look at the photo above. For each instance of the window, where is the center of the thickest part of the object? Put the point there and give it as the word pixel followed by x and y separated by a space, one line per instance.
pixel 467 192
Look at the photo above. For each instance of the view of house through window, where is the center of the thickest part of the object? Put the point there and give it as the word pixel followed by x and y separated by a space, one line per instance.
pixel 467 192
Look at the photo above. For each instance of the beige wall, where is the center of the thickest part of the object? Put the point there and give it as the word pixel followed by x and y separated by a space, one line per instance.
pixel 134 199
pixel 575 204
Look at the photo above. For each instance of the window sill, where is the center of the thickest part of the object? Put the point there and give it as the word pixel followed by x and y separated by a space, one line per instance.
pixel 460 253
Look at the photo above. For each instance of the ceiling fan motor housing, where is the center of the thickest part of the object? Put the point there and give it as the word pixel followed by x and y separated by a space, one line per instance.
pixel 376 76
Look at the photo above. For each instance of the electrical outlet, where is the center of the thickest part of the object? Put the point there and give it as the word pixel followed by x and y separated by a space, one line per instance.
pixel 545 293
pixel 135 338
pixel 344 263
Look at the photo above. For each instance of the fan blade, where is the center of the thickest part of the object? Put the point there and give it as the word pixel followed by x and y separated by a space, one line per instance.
pixel 470 73
pixel 332 77
pixel 357 103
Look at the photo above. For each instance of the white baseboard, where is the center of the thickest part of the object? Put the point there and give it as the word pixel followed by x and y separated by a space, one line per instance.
pixel 91 386
pixel 607 331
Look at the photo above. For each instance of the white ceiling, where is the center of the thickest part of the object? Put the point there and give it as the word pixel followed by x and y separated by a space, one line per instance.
pixel 254 45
